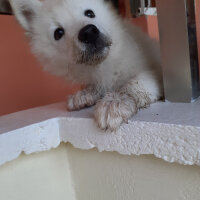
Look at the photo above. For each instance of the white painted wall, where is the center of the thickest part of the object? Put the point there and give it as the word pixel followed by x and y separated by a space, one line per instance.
pixel 67 173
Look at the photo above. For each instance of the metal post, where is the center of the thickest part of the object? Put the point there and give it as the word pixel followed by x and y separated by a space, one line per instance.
pixel 179 55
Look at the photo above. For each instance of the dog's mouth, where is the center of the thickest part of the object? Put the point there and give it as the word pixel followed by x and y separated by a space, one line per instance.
pixel 94 46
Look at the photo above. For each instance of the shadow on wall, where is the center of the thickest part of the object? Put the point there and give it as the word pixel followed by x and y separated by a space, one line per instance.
pixel 108 175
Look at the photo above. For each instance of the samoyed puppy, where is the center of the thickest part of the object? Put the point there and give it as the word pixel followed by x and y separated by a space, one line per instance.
pixel 87 42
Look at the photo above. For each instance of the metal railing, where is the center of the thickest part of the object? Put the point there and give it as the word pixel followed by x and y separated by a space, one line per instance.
pixel 142 7
pixel 179 51
pixel 178 41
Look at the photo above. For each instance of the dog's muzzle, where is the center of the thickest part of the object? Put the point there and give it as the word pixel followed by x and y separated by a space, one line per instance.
pixel 96 45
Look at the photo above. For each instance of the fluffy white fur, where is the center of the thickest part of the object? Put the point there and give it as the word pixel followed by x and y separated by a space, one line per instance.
pixel 127 79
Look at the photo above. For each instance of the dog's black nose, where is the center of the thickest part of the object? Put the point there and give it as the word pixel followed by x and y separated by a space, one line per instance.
pixel 89 34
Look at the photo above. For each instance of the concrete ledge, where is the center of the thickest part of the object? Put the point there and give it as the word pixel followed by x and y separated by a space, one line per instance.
pixel 166 130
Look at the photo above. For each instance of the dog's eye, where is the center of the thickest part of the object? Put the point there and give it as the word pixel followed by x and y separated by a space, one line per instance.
pixel 59 33
pixel 89 13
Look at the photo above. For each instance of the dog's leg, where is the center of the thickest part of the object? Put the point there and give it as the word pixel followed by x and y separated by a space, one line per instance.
pixel 85 98
pixel 117 107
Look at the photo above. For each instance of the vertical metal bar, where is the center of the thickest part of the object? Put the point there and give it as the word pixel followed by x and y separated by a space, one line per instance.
pixel 177 28
pixel 149 3
pixel 142 7
pixel 192 34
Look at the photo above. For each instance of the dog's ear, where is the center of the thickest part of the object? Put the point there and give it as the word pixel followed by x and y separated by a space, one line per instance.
pixel 25 11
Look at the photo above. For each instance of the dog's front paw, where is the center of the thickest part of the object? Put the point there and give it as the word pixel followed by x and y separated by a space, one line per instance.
pixel 80 100
pixel 113 110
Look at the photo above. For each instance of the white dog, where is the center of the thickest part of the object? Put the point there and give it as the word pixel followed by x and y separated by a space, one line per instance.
pixel 87 42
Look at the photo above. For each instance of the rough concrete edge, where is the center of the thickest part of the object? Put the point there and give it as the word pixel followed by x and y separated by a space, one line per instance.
pixel 37 137
pixel 172 143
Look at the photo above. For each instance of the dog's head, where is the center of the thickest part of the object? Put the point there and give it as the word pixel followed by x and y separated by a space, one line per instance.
pixel 69 31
